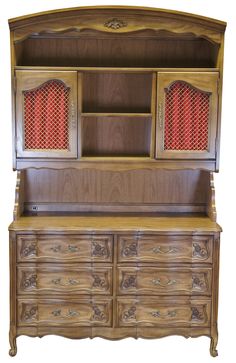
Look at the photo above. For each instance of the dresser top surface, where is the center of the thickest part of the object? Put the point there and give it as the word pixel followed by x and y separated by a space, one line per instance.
pixel 104 223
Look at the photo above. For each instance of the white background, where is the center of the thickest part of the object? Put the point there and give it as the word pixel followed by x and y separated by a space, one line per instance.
pixel 99 350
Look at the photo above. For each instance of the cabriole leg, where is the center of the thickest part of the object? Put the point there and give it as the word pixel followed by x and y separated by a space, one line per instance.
pixel 213 345
pixel 12 340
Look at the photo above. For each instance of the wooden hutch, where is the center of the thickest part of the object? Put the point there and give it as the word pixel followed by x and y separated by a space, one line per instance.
pixel 116 128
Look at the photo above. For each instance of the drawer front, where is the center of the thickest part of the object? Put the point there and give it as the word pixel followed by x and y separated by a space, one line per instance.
pixel 83 248
pixel 157 248
pixel 156 313
pixel 64 279
pixel 61 312
pixel 159 281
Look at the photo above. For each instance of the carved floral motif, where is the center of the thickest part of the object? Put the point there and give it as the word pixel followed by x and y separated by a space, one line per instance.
pixel 29 312
pixel 199 282
pixel 129 281
pixel 100 282
pixel 100 250
pixel 115 24
pixel 98 314
pixel 197 315
pixel 29 249
pixel 29 281
pixel 129 314
pixel 130 250
pixel 200 251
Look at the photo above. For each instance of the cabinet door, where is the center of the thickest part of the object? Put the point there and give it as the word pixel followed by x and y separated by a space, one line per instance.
pixel 186 115
pixel 46 114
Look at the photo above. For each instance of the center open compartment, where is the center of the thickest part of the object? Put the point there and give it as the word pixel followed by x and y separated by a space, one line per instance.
pixel 117 113
pixel 116 136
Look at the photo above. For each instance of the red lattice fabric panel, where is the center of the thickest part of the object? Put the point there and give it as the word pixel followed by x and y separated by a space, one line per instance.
pixel 186 118
pixel 46 117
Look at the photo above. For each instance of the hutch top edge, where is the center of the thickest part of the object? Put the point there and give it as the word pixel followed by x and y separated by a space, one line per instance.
pixel 137 18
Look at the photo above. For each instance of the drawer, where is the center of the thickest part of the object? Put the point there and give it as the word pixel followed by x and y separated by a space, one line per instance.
pixel 153 312
pixel 163 281
pixel 160 248
pixel 82 312
pixel 81 248
pixel 63 280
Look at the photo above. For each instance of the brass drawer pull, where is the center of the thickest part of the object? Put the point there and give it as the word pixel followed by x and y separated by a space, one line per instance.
pixel 70 282
pixel 161 250
pixel 169 314
pixel 69 314
pixel 70 248
pixel 159 283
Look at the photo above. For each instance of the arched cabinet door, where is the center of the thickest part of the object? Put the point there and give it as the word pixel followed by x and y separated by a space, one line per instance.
pixel 187 115
pixel 46 114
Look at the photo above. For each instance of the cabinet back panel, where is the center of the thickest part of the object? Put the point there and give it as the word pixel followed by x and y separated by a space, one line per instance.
pixel 112 136
pixel 117 52
pixel 171 187
pixel 116 92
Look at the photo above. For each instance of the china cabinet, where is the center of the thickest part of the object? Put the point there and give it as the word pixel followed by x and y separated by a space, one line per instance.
pixel 116 126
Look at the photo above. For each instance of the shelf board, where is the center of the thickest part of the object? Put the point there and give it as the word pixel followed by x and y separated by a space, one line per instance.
pixel 119 69
pixel 116 114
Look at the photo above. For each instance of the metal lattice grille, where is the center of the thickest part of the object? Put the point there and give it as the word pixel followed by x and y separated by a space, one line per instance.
pixel 46 117
pixel 186 118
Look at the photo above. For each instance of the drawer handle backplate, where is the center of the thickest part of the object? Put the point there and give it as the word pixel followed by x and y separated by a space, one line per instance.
pixel 163 251
pixel 159 283
pixel 169 314
pixel 69 248
pixel 69 282
pixel 69 314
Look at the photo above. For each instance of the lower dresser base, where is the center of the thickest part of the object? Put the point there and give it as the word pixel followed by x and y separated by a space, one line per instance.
pixel 113 283
pixel 112 334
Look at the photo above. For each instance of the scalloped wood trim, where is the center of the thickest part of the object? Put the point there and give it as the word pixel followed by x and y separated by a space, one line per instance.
pixel 19 196
pixel 120 21
pixel 211 206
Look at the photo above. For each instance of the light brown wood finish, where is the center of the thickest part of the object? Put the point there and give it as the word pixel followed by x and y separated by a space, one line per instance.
pixel 144 280
pixel 19 196
pixel 167 249
pixel 115 223
pixel 84 312
pixel 115 237
pixel 69 248
pixel 58 279
pixel 211 207
pixel 142 312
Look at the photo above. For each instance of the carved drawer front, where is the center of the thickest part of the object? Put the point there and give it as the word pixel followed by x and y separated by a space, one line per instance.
pixel 82 248
pixel 81 312
pixel 157 248
pixel 159 281
pixel 182 313
pixel 64 279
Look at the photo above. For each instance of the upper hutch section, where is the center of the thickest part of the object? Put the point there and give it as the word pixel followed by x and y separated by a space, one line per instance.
pixel 125 86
